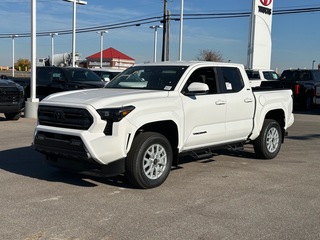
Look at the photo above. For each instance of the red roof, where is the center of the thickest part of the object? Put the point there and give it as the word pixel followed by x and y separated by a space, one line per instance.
pixel 110 53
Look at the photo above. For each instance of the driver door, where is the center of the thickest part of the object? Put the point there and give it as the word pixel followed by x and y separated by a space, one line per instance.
pixel 205 114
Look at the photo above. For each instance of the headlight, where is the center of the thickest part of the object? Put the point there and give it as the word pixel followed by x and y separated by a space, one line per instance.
pixel 19 87
pixel 115 114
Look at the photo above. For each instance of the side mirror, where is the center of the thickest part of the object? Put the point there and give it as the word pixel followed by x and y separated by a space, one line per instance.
pixel 197 88
pixel 106 79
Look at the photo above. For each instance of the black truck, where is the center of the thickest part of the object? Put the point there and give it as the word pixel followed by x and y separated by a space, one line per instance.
pixel 302 82
pixel 12 99
pixel 50 79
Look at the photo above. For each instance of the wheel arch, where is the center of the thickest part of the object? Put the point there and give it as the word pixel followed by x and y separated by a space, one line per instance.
pixel 169 129
pixel 279 116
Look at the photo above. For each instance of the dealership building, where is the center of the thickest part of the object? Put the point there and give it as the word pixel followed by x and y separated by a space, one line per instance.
pixel 111 58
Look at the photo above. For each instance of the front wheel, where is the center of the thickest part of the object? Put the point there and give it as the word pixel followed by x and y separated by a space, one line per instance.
pixel 149 160
pixel 268 144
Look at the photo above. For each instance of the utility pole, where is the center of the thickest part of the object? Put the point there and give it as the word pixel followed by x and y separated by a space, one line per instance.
pixel 164 33
pixel 168 36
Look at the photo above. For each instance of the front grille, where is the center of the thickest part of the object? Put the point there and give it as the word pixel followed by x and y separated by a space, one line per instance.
pixel 60 145
pixel 9 95
pixel 74 118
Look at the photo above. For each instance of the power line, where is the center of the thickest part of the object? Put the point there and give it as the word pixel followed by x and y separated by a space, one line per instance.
pixel 155 19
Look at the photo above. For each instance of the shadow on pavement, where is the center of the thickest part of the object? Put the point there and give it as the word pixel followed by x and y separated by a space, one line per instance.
pixel 27 162
pixel 314 111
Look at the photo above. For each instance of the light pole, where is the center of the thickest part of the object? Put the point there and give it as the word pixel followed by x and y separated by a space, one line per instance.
pixel 13 36
pixel 52 48
pixel 313 63
pixel 32 103
pixel 75 2
pixel 181 30
pixel 101 45
pixel 155 41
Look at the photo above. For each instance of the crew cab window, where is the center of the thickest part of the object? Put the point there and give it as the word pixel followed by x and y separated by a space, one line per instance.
pixel 204 75
pixel 316 76
pixel 57 75
pixel 44 75
pixel 253 74
pixel 270 75
pixel 231 79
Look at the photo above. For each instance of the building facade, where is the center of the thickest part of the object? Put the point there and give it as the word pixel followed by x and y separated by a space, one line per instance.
pixel 111 58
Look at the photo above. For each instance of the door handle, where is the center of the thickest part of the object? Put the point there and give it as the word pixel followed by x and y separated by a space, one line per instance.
pixel 220 102
pixel 248 100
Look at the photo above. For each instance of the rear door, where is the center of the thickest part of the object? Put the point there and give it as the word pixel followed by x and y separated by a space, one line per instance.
pixel 240 103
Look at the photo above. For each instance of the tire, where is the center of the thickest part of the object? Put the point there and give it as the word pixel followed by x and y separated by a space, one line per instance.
pixel 13 116
pixel 308 103
pixel 268 144
pixel 149 160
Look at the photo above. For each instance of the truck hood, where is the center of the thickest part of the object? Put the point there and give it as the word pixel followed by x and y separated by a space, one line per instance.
pixel 7 83
pixel 102 97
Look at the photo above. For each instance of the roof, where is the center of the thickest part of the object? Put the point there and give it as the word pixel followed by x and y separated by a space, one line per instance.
pixel 191 63
pixel 110 53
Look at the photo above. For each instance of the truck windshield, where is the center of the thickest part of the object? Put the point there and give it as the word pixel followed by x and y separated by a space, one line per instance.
pixel 149 77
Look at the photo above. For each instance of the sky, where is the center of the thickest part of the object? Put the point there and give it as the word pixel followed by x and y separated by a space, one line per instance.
pixel 295 37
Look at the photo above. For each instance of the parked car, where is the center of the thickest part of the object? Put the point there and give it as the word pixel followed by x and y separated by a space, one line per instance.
pixel 302 82
pixel 50 79
pixel 11 98
pixel 257 76
pixel 106 74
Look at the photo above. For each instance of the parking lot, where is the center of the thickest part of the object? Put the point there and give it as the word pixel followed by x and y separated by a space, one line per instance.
pixel 230 196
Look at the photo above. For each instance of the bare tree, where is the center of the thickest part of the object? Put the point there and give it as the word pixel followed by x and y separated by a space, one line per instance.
pixel 210 55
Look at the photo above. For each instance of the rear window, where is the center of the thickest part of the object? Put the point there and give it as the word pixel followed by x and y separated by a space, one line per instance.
pixel 232 79
pixel 252 75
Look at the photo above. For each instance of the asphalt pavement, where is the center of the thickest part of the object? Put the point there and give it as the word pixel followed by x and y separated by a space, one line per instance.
pixel 230 196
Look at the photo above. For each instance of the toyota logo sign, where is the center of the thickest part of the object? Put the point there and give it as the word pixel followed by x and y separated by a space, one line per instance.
pixel 266 2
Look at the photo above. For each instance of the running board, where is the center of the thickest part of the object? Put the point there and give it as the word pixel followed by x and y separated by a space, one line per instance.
pixel 202 154
pixel 238 147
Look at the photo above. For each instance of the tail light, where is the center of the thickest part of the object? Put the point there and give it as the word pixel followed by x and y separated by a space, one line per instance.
pixel 297 89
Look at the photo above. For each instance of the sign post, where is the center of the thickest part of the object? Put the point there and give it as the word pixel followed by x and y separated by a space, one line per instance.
pixel 260 41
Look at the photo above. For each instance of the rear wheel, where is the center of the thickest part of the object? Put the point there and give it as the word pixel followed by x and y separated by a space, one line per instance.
pixel 268 144
pixel 149 160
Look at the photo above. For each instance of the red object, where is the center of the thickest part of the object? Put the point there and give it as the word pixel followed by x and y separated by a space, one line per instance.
pixel 297 89
pixel 266 2
pixel 110 53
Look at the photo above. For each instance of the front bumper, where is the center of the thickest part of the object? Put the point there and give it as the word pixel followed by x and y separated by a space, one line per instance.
pixel 90 150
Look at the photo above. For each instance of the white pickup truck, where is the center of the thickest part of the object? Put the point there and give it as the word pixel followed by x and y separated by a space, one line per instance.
pixel 256 76
pixel 151 114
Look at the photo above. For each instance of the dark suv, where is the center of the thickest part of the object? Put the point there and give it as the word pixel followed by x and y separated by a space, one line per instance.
pixel 302 82
pixel 11 98
pixel 51 79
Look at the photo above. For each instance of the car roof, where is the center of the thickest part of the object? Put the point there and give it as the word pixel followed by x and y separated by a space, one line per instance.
pixel 105 70
pixel 191 63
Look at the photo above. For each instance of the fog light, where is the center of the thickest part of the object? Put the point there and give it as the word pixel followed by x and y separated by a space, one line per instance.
pixel 40 137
